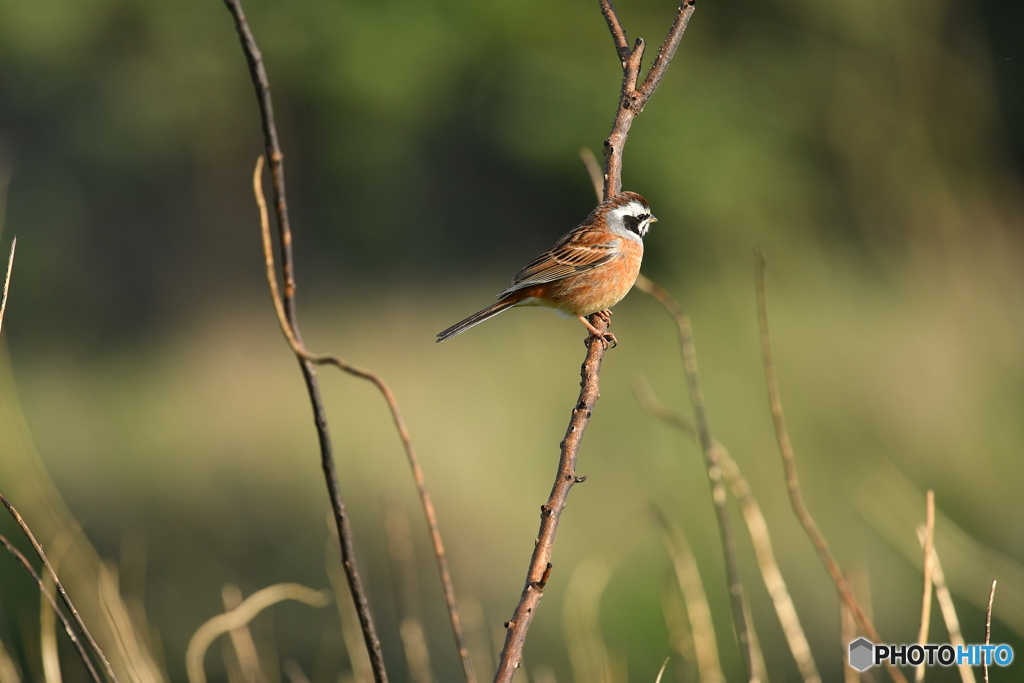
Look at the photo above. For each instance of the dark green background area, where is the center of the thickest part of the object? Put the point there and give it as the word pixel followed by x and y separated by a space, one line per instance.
pixel 873 150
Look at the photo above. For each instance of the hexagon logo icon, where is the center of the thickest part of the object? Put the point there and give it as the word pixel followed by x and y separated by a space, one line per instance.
pixel 861 654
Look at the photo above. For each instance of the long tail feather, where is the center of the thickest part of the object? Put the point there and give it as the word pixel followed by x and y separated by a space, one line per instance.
pixel 476 318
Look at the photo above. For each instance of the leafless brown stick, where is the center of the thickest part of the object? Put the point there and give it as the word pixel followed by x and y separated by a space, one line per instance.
pixel 273 150
pixel 633 97
pixel 82 654
pixel 793 483
pixel 396 415
pixel 714 468
pixel 285 307
pixel 540 562
pixel 988 627
pixel 631 103
pixel 60 588
pixel 758 528
pixel 926 594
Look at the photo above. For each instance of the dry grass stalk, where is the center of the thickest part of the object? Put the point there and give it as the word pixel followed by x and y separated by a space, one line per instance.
pixel 988 626
pixel 714 469
pixel 7 282
pixel 351 633
pixel 926 594
pixel 581 621
pixel 705 646
pixel 947 608
pixel 60 590
pixel 241 615
pixel 793 482
pixel 135 658
pixel 756 526
pixel 8 668
pixel 406 593
pixel 661 671
pixel 241 639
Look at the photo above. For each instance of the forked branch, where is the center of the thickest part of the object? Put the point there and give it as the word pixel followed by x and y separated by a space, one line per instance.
pixel 634 96
pixel 631 102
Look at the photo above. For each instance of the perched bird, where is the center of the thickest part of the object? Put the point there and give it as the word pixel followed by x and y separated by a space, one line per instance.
pixel 588 270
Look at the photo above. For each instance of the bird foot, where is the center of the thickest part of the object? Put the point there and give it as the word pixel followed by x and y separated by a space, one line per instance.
pixel 606 338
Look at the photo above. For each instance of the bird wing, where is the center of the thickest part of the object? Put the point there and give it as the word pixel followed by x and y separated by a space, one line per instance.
pixel 576 252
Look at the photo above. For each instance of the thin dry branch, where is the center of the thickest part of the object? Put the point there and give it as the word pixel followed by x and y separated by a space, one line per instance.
pixel 254 58
pixel 550 513
pixel 299 349
pixel 757 527
pixel 714 468
pixel 631 102
pixel 285 307
pixel 926 594
pixel 988 627
pixel 82 654
pixel 60 588
pixel 633 97
pixel 793 483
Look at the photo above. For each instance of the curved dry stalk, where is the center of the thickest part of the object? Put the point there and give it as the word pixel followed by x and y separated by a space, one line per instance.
pixel 242 615
pixel 945 600
pixel 793 482
pixel 714 469
pixel 550 513
pixel 299 349
pixel 82 654
pixel 60 588
pixel 757 527
pixel 702 629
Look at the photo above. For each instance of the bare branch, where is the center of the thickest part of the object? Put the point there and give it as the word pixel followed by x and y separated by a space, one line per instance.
pixel 299 349
pixel 551 512
pixel 82 654
pixel 793 483
pixel 60 588
pixel 276 157
pixel 714 469
pixel 633 99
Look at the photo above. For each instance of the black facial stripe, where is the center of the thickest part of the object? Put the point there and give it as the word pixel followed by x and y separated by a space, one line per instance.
pixel 633 223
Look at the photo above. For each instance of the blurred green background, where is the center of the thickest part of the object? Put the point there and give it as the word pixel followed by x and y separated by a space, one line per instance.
pixel 874 150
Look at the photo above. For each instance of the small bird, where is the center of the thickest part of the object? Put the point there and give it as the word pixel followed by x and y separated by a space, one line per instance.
pixel 588 270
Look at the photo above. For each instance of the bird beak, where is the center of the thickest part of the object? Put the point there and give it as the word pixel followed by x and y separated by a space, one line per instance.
pixel 653 219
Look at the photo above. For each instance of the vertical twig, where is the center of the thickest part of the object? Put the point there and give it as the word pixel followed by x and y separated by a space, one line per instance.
pixel 276 158
pixel 285 306
pixel 631 103
pixel 714 469
pixel 926 595
pixel 756 525
pixel 551 512
pixel 792 481
pixel 60 588
pixel 988 627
